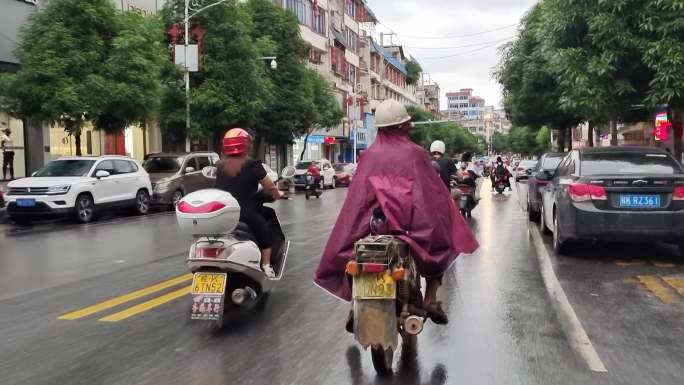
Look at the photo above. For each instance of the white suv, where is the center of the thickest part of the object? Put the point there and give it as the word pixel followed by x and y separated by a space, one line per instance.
pixel 79 186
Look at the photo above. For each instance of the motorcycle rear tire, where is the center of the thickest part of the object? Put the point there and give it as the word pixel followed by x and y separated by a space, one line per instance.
pixel 382 360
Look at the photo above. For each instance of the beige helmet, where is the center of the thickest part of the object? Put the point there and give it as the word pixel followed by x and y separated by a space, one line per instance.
pixel 391 113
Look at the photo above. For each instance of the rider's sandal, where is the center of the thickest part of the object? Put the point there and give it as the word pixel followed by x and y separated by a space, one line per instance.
pixel 436 313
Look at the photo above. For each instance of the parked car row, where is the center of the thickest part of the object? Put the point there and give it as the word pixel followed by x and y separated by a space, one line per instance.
pixel 622 194
pixel 82 187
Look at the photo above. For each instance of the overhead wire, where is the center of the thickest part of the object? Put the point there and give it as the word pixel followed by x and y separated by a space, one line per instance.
pixel 463 46
pixel 459 36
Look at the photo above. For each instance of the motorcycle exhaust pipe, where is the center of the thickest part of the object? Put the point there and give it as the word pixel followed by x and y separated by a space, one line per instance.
pixel 242 296
pixel 413 325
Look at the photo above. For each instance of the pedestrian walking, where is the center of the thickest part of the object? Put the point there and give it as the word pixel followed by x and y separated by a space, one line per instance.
pixel 7 154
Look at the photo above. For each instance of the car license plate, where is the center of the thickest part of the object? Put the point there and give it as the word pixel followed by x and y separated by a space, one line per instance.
pixel 209 283
pixel 640 201
pixel 375 286
pixel 26 202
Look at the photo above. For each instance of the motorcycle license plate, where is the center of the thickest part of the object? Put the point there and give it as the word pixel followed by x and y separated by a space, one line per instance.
pixel 209 283
pixel 375 286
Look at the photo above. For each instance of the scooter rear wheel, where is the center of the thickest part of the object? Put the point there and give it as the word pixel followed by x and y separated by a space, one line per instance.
pixel 382 360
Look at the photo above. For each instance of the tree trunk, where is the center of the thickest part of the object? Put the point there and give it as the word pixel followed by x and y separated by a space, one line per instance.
pixel 306 139
pixel 590 134
pixel 569 139
pixel 77 142
pixel 561 139
pixel 613 133
pixel 677 132
pixel 259 148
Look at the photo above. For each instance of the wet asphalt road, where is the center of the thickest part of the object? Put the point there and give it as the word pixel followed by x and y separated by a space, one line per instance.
pixel 502 331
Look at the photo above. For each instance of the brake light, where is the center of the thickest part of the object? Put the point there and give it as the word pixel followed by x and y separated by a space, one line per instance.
pixel 210 207
pixel 374 267
pixel 464 189
pixel 398 274
pixel 208 252
pixel 678 194
pixel 542 182
pixel 582 192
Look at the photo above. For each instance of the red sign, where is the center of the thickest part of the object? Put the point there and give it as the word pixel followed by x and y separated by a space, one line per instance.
pixel 329 140
pixel 662 127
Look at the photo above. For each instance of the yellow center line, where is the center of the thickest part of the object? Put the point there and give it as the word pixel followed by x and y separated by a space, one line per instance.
pixel 676 283
pixel 662 292
pixel 125 298
pixel 137 309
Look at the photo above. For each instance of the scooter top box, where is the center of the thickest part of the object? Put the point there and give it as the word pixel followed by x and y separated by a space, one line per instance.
pixel 209 212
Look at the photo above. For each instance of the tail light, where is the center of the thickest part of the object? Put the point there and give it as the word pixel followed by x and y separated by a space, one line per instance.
pixel 399 273
pixel 208 252
pixel 542 182
pixel 678 193
pixel 374 267
pixel 582 192
pixel 464 189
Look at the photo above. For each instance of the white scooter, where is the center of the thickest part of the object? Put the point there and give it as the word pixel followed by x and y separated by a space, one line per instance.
pixel 224 257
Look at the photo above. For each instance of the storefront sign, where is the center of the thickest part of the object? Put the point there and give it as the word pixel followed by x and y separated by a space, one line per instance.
pixel 317 139
pixel 329 140
pixel 662 127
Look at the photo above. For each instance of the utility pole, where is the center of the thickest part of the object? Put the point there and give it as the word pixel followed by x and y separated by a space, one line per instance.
pixel 186 22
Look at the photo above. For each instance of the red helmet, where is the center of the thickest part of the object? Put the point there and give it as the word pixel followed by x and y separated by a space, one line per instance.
pixel 236 142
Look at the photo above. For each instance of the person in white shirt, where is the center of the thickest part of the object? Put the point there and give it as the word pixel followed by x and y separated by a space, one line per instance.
pixel 7 154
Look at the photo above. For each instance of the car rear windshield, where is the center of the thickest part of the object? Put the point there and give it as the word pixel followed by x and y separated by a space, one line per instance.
pixel 71 167
pixel 639 163
pixel 339 167
pixel 551 163
pixel 303 165
pixel 162 164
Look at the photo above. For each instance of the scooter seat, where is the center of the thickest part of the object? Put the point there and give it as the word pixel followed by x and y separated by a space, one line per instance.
pixel 243 233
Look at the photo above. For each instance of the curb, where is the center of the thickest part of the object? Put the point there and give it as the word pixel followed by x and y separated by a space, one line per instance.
pixel 572 327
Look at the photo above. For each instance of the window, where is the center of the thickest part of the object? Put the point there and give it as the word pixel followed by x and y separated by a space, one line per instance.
pixel 319 22
pixel 203 162
pixel 633 162
pixel 301 9
pixel 352 40
pixel 338 61
pixel 352 74
pixel 191 162
pixel 315 56
pixel 106 165
pixel 123 167
pixel 71 167
pixel 163 164
pixel 350 8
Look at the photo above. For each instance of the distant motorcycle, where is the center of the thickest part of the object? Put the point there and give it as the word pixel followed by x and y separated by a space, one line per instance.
pixel 387 300
pixel 312 188
pixel 500 184
pixel 224 257
pixel 464 197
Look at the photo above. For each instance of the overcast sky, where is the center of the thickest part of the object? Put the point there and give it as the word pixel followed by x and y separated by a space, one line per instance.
pixel 470 64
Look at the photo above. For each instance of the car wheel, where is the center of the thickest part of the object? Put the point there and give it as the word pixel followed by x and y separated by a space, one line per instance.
pixel 176 198
pixel 542 222
pixel 532 215
pixel 142 202
pixel 559 244
pixel 84 209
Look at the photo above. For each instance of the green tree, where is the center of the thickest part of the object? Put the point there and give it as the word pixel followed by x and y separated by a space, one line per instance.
pixel 132 73
pixel 531 92
pixel 413 71
pixel 500 142
pixel 232 86
pixel 543 140
pixel 62 50
pixel 523 141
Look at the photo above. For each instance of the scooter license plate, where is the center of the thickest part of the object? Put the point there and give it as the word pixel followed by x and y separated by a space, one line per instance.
pixel 374 286
pixel 209 283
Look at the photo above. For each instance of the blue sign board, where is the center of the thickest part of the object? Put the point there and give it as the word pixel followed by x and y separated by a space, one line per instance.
pixel 317 139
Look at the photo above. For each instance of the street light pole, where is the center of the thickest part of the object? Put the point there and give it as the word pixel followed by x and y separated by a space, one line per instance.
pixel 186 22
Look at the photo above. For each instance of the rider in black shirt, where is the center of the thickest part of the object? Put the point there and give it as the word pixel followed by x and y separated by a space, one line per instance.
pixel 446 166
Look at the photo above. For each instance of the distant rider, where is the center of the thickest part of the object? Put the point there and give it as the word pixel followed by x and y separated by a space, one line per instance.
pixel 240 176
pixel 396 176
pixel 446 166
pixel 315 172
pixel 501 171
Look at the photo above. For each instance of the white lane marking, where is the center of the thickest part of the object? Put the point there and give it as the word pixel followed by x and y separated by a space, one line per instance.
pixel 577 337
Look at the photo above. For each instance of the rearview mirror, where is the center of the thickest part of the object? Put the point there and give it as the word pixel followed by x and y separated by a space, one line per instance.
pixel 101 174
pixel 209 172
pixel 188 170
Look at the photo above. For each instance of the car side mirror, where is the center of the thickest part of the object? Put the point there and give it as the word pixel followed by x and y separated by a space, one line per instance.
pixel 209 172
pixel 188 170
pixel 99 174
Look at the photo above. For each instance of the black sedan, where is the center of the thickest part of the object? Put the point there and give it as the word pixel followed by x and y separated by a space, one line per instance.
pixel 540 177
pixel 615 193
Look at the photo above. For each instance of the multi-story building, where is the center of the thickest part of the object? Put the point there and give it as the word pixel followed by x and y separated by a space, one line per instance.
pixel 429 97
pixel 468 109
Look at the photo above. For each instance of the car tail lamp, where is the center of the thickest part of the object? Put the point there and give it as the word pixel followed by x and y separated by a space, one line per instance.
pixel 582 192
pixel 209 252
pixel 678 193
pixel 464 189
pixel 398 274
pixel 210 207
pixel 374 267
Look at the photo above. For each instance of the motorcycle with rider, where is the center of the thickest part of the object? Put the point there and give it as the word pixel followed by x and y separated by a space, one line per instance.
pixel 398 223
